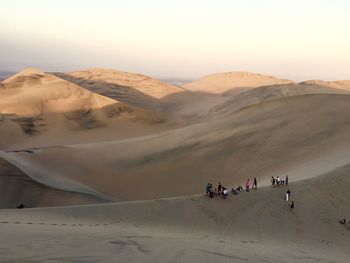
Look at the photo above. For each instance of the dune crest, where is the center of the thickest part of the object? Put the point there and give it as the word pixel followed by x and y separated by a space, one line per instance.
pixel 224 82
pixel 97 77
pixel 340 84
pixel 40 93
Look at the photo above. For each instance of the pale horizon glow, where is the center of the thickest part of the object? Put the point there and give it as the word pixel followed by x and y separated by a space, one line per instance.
pixel 292 39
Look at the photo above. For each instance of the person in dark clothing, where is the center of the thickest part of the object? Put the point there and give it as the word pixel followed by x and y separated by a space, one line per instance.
pixel 286 180
pixel 207 189
pixel 291 207
pixel 211 194
pixel 219 188
pixel 255 184
pixel 288 195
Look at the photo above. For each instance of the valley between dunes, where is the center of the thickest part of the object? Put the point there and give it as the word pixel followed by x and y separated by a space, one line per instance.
pixel 116 164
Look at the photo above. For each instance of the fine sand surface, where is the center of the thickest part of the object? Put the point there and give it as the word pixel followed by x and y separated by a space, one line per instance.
pixel 17 188
pixel 251 227
pixel 100 136
pixel 133 89
pixel 52 111
pixel 287 136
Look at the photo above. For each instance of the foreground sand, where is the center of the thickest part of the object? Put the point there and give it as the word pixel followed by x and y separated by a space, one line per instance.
pixel 250 227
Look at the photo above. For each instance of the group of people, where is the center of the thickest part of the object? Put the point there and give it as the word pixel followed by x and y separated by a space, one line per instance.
pixel 276 182
pixel 219 191
pixel 279 181
pixel 222 191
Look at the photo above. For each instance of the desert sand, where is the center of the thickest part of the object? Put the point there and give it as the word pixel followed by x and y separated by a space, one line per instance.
pixel 112 166
pixel 131 88
pixel 234 82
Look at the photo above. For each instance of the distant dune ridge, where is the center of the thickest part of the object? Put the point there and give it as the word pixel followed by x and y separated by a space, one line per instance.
pixel 229 81
pixel 134 89
pixel 99 135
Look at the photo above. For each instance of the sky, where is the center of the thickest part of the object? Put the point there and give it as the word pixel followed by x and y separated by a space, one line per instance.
pixel 295 39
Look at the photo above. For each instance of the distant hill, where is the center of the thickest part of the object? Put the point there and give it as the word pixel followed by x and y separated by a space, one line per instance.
pixel 134 89
pixel 232 81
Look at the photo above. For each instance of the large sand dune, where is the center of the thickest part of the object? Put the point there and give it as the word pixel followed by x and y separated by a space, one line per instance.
pixel 292 135
pixel 32 92
pixel 274 92
pixel 234 82
pixel 133 89
pixel 199 105
pixel 41 109
pixel 99 135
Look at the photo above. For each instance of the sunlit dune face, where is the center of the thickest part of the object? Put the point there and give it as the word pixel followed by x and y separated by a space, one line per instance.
pixel 40 93
pixel 144 84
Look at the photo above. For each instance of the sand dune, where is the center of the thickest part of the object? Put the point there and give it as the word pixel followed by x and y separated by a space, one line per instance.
pixel 250 227
pixel 291 135
pixel 203 105
pixel 62 144
pixel 168 157
pixel 274 92
pixel 53 111
pixel 133 89
pixel 41 93
pixel 341 84
pixel 233 82
pixel 17 188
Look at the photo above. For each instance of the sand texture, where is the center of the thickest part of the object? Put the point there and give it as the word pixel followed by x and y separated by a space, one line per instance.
pixel 111 166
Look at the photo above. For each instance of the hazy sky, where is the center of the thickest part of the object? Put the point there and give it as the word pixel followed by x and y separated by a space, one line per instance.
pixel 297 39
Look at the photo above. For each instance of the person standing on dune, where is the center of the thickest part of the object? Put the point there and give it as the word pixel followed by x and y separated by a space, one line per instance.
pixel 219 188
pixel 291 207
pixel 247 185
pixel 273 181
pixel 255 184
pixel 207 188
pixel 287 195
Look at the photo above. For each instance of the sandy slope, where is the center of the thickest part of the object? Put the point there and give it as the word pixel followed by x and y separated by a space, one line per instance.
pixel 250 227
pixel 131 88
pixel 233 82
pixel 202 105
pixel 40 93
pixel 292 135
pixel 52 111
pixel 56 135
pixel 274 92
pixel 17 188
